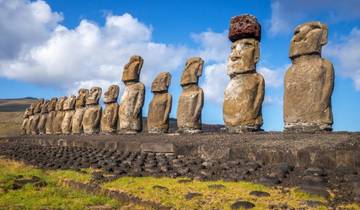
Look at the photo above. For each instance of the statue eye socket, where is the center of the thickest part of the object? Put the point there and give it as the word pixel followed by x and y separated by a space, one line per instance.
pixel 296 32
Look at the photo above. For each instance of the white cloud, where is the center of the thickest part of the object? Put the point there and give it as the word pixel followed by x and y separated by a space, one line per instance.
pixel 346 53
pixel 285 15
pixel 273 78
pixel 215 82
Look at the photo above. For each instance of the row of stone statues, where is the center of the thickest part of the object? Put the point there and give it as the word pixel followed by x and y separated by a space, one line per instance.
pixel 308 85
pixel 83 114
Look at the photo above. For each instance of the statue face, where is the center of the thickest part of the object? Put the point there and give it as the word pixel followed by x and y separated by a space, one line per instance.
pixel 60 103
pixel 44 107
pixel 308 39
pixel 94 96
pixel 37 108
pixel 192 71
pixel 69 103
pixel 81 98
pixel 52 104
pixel 111 95
pixel 161 82
pixel 244 55
pixel 132 69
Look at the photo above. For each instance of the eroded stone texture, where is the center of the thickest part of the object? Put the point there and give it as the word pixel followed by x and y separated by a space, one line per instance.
pixel 132 101
pixel 309 81
pixel 24 125
pixel 69 109
pixel 43 117
pixel 109 116
pixel 50 116
pixel 92 115
pixel 191 100
pixel 160 105
pixel 59 115
pixel 80 108
pixel 244 94
pixel 35 118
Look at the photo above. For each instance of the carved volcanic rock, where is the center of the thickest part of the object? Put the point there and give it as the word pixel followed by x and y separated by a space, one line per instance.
pixel 244 26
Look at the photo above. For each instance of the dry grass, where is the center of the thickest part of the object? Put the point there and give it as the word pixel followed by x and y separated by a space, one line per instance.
pixel 10 123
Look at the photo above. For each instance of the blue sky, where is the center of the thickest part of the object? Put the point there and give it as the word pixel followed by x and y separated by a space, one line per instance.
pixel 52 48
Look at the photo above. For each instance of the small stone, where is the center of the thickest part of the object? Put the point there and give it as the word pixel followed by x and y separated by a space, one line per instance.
pixel 242 205
pixel 270 181
pixel 158 187
pixel 259 194
pixel 216 186
pixel 315 171
pixel 184 181
pixel 313 203
pixel 191 195
pixel 314 180
pixel 316 190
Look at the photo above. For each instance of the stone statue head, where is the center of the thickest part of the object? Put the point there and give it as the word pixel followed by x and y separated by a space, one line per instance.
pixel 28 112
pixel 81 98
pixel 31 108
pixel 60 103
pixel 52 104
pixel 192 71
pixel 245 54
pixel 161 82
pixel 69 103
pixel 308 39
pixel 39 103
pixel 132 69
pixel 111 95
pixel 44 107
pixel 94 96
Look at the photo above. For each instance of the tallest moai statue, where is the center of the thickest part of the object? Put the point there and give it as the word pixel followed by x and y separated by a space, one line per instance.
pixel 244 94
pixel 309 81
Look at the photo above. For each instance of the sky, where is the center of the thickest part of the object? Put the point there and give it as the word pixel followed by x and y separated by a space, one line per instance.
pixel 53 48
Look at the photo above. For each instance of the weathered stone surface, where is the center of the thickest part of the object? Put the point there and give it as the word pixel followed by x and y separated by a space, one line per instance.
pixel 245 92
pixel 158 148
pixel 69 109
pixel 50 116
pixel 43 117
pixel 160 105
pixel 35 118
pixel 132 101
pixel 80 104
pixel 92 115
pixel 110 114
pixel 25 123
pixel 59 115
pixel 191 100
pixel 244 26
pixel 309 81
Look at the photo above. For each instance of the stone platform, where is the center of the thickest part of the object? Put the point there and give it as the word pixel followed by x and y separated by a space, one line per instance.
pixel 325 150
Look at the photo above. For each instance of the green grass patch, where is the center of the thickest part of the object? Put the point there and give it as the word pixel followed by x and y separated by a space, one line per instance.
pixel 221 198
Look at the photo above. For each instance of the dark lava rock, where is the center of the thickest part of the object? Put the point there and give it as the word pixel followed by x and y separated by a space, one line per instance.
pixel 184 181
pixel 191 195
pixel 316 190
pixel 314 180
pixel 313 203
pixel 270 181
pixel 40 184
pixel 158 187
pixel 242 205
pixel 259 194
pixel 342 170
pixel 315 171
pixel 216 186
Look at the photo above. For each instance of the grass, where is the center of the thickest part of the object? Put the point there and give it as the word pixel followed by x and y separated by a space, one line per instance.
pixel 210 198
pixel 10 123
pixel 51 196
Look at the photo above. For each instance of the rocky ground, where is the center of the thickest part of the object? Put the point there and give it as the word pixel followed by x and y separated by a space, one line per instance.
pixel 343 182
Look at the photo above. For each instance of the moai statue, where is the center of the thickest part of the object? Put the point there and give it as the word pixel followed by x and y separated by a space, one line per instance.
pixel 43 117
pixel 109 116
pixel 24 125
pixel 80 107
pixel 59 115
pixel 50 116
pixel 34 121
pixel 244 94
pixel 92 114
pixel 160 105
pixel 132 101
pixel 191 100
pixel 31 116
pixel 309 81
pixel 69 109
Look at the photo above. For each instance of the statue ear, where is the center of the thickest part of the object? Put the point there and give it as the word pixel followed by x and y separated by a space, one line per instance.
pixel 141 62
pixel 200 68
pixel 324 36
pixel 257 51
pixel 168 80
pixel 117 89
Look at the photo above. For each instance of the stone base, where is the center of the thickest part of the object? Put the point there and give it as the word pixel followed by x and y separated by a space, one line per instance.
pixel 306 127
pixel 243 129
pixel 158 130
pixel 130 132
pixel 189 130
